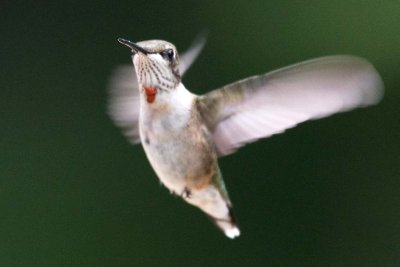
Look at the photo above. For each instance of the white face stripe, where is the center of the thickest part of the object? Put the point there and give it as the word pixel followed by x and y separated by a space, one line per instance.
pixel 153 70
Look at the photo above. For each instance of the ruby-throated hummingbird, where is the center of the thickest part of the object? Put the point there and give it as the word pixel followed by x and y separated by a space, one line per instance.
pixel 183 134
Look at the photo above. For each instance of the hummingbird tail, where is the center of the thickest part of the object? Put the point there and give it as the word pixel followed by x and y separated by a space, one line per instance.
pixel 228 225
pixel 217 207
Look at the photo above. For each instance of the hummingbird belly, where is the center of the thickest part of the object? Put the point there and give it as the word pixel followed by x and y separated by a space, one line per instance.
pixel 179 151
pixel 179 147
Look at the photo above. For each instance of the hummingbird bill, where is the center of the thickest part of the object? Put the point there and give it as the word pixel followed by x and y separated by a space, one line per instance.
pixel 183 134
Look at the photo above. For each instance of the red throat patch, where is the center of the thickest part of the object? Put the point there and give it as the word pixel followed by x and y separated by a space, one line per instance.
pixel 150 94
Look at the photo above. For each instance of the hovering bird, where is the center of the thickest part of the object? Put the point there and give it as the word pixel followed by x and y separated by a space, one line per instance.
pixel 183 134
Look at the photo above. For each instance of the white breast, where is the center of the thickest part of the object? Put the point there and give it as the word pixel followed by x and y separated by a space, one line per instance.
pixel 162 127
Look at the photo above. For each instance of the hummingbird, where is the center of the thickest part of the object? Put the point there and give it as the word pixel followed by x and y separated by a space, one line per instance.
pixel 184 134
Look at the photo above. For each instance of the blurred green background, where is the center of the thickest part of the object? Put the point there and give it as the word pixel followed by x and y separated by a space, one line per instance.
pixel 73 192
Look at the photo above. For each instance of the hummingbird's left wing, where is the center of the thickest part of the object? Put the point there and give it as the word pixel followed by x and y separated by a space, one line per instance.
pixel 190 55
pixel 261 106
pixel 123 104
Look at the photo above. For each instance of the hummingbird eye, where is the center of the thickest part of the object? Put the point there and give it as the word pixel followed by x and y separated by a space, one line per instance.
pixel 168 54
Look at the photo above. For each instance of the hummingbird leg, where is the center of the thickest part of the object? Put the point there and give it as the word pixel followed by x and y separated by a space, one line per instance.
pixel 172 192
pixel 186 193
pixel 147 140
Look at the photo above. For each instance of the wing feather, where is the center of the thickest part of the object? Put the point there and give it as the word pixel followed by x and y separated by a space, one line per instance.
pixel 264 105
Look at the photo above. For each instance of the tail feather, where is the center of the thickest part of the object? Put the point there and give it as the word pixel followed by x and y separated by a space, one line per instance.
pixel 218 208
pixel 228 225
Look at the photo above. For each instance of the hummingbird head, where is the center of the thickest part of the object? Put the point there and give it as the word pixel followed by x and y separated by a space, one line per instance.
pixel 156 63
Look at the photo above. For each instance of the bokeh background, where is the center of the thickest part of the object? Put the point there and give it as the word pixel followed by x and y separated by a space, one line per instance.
pixel 73 192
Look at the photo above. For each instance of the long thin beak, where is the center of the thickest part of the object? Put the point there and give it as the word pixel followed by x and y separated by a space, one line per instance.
pixel 134 47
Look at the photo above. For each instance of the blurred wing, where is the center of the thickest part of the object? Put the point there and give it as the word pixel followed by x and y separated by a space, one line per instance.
pixel 187 58
pixel 123 104
pixel 261 106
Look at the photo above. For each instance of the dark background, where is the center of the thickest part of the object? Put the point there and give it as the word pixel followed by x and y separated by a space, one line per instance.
pixel 74 192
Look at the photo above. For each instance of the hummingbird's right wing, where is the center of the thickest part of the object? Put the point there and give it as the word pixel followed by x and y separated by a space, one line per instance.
pixel 123 103
pixel 261 106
